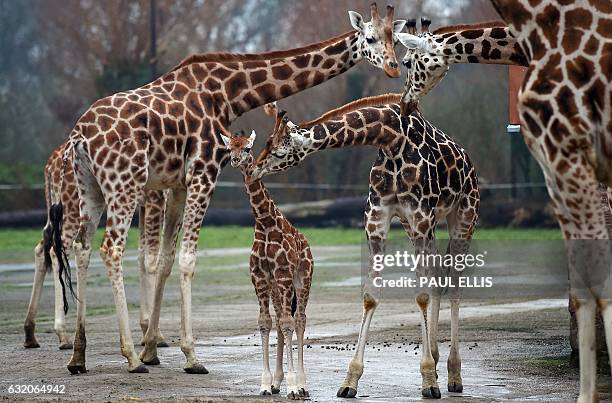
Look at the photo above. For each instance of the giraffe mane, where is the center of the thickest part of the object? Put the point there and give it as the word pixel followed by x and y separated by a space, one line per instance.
pixel 463 27
pixel 376 100
pixel 220 57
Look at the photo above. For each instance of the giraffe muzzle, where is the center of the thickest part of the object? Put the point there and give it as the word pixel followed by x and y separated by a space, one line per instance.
pixel 392 69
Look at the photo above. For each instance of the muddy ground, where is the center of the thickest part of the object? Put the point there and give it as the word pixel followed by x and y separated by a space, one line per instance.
pixel 510 349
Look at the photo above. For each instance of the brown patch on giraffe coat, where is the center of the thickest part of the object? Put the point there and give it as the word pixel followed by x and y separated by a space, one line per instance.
pixel 258 76
pixel 580 71
pixel 472 33
pixel 602 5
pixel 548 20
pixel 302 61
pixel 328 64
pixel 301 80
pixel 266 92
pixel 282 72
pixel 235 85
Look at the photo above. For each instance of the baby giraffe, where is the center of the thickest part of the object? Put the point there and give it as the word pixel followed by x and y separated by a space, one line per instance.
pixel 281 268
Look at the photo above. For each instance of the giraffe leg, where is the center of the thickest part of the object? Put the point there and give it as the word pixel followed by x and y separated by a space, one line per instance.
pixel 461 224
pixel 425 243
pixel 120 213
pixel 198 197
pixel 175 205
pixel 606 313
pixel 287 325
pixel 302 290
pixel 149 225
pixel 585 315
pixel 261 283
pixel 377 222
pixel 91 207
pixel 39 278
pixel 279 373
pixel 59 325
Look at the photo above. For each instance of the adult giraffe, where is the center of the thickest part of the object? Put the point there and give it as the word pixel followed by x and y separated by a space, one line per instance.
pixel 566 110
pixel 149 222
pixel 164 135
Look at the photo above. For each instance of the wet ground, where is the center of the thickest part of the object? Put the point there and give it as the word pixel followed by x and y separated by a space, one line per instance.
pixel 510 349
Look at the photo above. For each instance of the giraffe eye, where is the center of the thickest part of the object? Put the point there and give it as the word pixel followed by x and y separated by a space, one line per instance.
pixel 370 40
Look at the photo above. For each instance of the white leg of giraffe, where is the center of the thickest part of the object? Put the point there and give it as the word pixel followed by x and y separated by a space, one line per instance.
pixel 198 197
pixel 91 208
pixel 120 213
pixel 59 325
pixel 377 223
pixel 175 205
pixel 585 314
pixel 606 313
pixel 39 279
pixel 302 294
pixel 261 283
pixel 279 373
pixel 461 224
pixel 145 286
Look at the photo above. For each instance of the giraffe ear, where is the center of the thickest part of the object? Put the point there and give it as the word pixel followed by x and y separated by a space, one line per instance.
pixel 398 25
pixel 226 140
pixel 251 139
pixel 356 21
pixel 413 42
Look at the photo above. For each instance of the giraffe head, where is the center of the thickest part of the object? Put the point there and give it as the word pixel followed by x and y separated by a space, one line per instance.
pixel 286 147
pixel 377 39
pixel 240 149
pixel 425 59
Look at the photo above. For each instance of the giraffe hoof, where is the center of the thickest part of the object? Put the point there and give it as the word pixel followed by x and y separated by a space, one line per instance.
pixel 31 344
pixel 153 361
pixel 303 393
pixel 163 344
pixel 346 391
pixel 78 368
pixel 275 390
pixel 431 393
pixel 293 396
pixel 265 393
pixel 196 369
pixel 141 369
pixel 65 346
pixel 455 387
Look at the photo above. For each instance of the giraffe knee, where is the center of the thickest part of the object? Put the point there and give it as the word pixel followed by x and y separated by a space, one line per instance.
pixel 150 263
pixel 265 322
pixel 111 256
pixel 286 323
pixel 187 263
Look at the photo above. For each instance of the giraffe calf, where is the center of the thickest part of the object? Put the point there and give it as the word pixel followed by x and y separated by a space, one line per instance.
pixel 281 267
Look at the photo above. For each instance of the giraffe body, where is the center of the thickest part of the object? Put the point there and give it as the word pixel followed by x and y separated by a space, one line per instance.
pixel 566 115
pixel 165 135
pixel 151 216
pixel 281 266
pixel 420 176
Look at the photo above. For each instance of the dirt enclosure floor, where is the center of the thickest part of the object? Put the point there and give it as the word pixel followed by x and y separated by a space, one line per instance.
pixel 515 350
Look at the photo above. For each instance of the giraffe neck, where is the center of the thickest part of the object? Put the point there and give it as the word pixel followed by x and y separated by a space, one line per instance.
pixel 261 202
pixel 482 45
pixel 248 81
pixel 371 126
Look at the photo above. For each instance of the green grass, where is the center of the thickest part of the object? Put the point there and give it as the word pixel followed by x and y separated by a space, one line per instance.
pixel 17 241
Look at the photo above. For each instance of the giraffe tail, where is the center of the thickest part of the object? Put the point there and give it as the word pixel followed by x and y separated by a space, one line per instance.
pixel 47 230
pixel 54 235
pixel 293 303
